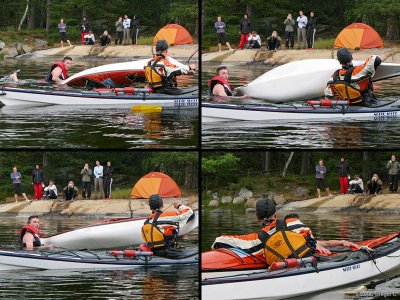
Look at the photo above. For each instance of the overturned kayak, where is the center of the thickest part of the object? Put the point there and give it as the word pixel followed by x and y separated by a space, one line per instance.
pixel 217 112
pixel 11 96
pixel 76 260
pixel 234 274
pixel 303 79
pixel 116 233
pixel 113 75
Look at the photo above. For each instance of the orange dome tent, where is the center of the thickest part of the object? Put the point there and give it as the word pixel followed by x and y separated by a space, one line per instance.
pixel 155 183
pixel 174 34
pixel 358 35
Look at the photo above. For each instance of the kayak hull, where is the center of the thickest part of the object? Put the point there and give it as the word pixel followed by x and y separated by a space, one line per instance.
pixel 78 260
pixel 231 112
pixel 106 235
pixel 285 283
pixel 303 79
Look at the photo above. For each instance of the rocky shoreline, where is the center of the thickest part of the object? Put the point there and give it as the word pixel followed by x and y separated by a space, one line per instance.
pixel 389 55
pixel 111 208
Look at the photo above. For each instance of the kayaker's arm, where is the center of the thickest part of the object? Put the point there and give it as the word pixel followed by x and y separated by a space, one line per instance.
pixel 56 75
pixel 335 243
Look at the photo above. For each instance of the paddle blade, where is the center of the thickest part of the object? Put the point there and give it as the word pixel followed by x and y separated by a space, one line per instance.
pixel 147 109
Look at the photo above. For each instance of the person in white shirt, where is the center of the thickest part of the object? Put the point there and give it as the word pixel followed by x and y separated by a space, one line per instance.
pixel 356 185
pixel 89 38
pixel 127 29
pixel 50 191
pixel 98 179
pixel 301 30
pixel 254 41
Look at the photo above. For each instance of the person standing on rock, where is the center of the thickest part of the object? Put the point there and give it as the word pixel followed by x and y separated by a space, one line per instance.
pixel 289 31
pixel 119 31
pixel 301 29
pixel 344 171
pixel 62 29
pixel 311 29
pixel 84 29
pixel 16 178
pixel 98 180
pixel 320 175
pixel 86 181
pixel 135 30
pixel 127 28
pixel 221 35
pixel 108 179
pixel 394 167
pixel 245 29
pixel 38 182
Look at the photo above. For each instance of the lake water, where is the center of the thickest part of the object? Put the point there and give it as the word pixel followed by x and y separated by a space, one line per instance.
pixel 140 283
pixel 83 127
pixel 302 134
pixel 345 225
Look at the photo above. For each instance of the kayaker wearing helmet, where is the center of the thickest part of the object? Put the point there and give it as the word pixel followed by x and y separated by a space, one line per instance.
pixel 161 229
pixel 29 236
pixel 161 73
pixel 218 85
pixel 351 83
pixel 279 238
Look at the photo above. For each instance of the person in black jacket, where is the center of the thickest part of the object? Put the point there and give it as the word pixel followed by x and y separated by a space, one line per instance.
pixel 108 174
pixel 344 171
pixel 245 29
pixel 135 30
pixel 310 30
pixel 38 182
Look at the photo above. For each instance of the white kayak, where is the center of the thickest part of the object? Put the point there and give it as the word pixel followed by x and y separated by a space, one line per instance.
pixel 113 75
pixel 221 112
pixel 112 234
pixel 303 79
pixel 81 260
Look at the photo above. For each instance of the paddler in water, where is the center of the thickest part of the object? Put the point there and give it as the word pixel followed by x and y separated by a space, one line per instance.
pixel 57 73
pixel 298 235
pixel 161 73
pixel 161 229
pixel 29 236
pixel 218 85
pixel 351 83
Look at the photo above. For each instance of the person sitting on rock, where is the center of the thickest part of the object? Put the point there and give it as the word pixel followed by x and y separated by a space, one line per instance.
pixel 274 41
pixel 356 185
pixel 70 192
pixel 105 39
pixel 374 185
pixel 89 38
pixel 50 191
pixel 299 236
pixel 254 41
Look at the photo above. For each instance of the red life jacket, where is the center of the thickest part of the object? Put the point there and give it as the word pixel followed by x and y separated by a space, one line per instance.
pixel 29 228
pixel 63 76
pixel 219 80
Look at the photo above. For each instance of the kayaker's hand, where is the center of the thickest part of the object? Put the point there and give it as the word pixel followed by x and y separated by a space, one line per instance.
pixel 323 250
pixel 177 203
pixel 192 67
pixel 350 244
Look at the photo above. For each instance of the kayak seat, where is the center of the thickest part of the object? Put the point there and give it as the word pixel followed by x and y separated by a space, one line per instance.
pixel 174 253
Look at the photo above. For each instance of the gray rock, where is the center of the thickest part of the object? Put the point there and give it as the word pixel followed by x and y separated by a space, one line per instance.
pixel 217 211
pixel 10 52
pixel 213 203
pixel 250 210
pixel 27 49
pixel 251 203
pixel 301 192
pixel 226 199
pixel 209 193
pixel 215 196
pixel 2 45
pixel 20 48
pixel 238 200
pixel 40 43
pixel 242 195
pixel 279 200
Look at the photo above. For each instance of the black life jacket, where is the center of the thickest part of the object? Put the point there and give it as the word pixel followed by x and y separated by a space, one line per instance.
pixel 33 231
pixel 346 91
pixel 285 243
pixel 154 237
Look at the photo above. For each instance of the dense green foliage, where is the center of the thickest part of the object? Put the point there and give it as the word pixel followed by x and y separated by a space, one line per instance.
pixel 233 170
pixel 266 16
pixel 102 15
pixel 129 167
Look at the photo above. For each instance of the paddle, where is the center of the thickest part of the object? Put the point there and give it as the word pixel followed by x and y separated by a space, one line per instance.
pixel 146 108
pixel 370 285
